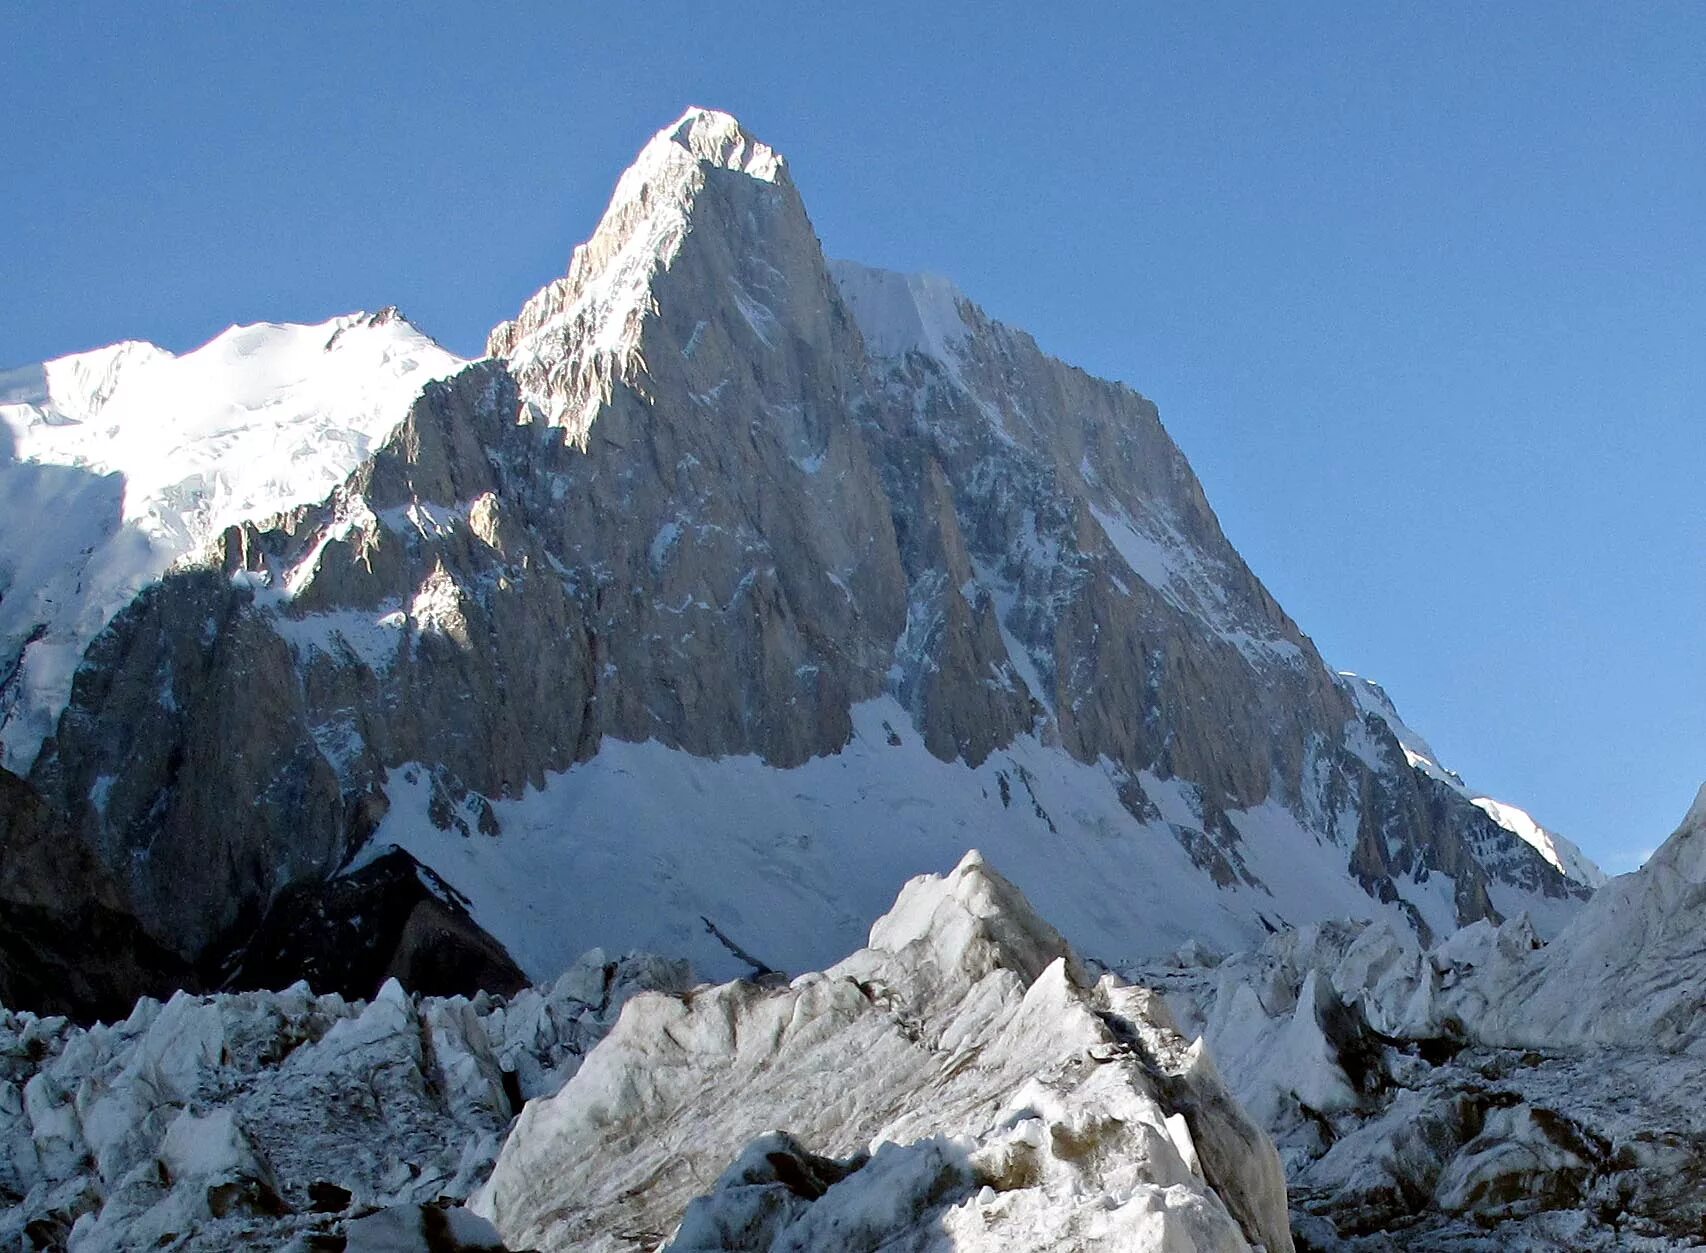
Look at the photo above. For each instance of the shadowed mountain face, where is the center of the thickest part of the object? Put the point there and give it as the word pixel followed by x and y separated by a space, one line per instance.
pixel 68 944
pixel 391 919
pixel 721 531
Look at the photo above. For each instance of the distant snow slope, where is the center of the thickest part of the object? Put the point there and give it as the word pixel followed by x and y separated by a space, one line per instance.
pixel 117 462
pixel 1565 856
pixel 790 863
pixel 902 313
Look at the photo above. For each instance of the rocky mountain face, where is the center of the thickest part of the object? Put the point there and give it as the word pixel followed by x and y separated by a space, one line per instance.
pixel 68 941
pixel 732 588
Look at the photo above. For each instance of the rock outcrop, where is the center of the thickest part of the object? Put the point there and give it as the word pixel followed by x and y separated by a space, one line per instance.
pixel 390 919
pixel 69 943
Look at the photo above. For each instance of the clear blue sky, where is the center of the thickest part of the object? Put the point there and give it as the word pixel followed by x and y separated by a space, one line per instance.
pixel 1421 290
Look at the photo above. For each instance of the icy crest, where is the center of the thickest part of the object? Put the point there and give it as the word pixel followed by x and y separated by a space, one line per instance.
pixel 959 1084
pixel 1626 971
pixel 1686 849
pixel 74 388
pixel 716 137
pixel 1623 973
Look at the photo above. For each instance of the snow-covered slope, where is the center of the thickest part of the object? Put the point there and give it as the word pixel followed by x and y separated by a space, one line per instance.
pixel 1569 860
pixel 960 1084
pixel 902 313
pixel 117 462
pixel 790 863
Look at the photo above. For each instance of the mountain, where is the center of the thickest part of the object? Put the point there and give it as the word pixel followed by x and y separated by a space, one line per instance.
pixel 1561 853
pixel 733 588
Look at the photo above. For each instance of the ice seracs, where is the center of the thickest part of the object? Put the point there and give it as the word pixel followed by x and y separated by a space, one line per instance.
pixel 1626 972
pixel 1490 1087
pixel 255 1120
pixel 962 1083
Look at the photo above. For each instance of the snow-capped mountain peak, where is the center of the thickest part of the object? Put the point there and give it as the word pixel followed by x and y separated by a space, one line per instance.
pixel 578 337
pixel 737 526
pixel 131 458
pixel 718 138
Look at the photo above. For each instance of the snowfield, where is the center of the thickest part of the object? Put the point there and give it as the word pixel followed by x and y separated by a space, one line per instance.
pixel 789 863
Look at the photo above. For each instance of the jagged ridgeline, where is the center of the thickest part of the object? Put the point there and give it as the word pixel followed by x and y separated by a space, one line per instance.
pixel 733 587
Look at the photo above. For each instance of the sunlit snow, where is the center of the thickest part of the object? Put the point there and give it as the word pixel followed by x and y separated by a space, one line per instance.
pixel 118 462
